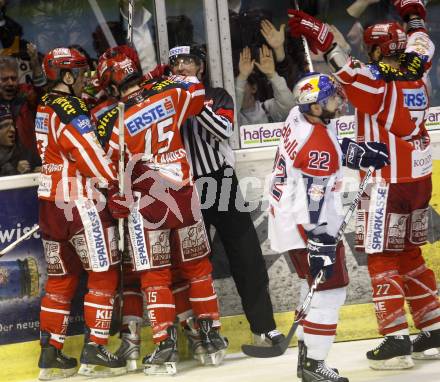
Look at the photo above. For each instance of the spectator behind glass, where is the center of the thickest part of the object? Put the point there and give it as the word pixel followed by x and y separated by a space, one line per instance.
pixel 13 159
pixel 143 33
pixel 250 109
pixel 180 30
pixel 435 83
pixel 12 44
pixel 21 99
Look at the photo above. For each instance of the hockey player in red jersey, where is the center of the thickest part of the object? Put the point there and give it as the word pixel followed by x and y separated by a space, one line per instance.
pixel 164 225
pixel 77 230
pixel 306 211
pixel 391 99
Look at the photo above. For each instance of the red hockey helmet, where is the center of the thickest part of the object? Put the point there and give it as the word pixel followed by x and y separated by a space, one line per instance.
pixel 116 67
pixel 60 59
pixel 390 37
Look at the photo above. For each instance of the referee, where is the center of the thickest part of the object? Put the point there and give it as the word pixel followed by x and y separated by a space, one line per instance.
pixel 211 157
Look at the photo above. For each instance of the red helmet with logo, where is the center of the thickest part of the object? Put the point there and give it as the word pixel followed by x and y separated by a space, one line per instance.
pixel 116 67
pixel 60 59
pixel 390 37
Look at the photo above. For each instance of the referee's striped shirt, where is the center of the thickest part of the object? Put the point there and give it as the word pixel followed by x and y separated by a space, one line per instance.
pixel 206 135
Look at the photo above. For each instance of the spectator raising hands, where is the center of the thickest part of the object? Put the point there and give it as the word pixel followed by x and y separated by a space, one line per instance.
pixel 275 38
pixel 250 108
pixel 246 64
pixel 267 63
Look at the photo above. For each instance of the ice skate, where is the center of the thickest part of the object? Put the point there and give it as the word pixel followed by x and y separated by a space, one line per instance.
pixel 97 361
pixel 195 344
pixel 393 353
pixel 165 356
pixel 427 345
pixel 318 371
pixel 214 344
pixel 130 346
pixel 302 354
pixel 269 338
pixel 53 363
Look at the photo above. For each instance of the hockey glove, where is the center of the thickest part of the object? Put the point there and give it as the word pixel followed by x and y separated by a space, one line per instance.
pixel 360 156
pixel 317 33
pixel 119 205
pixel 405 8
pixel 322 254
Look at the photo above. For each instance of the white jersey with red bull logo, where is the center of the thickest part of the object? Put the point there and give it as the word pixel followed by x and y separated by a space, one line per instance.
pixel 305 182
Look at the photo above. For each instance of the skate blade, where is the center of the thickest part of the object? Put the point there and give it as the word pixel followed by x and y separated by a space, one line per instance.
pixel 428 354
pixel 215 359
pixel 51 374
pixel 132 366
pixel 97 371
pixel 167 368
pixel 396 363
pixel 200 358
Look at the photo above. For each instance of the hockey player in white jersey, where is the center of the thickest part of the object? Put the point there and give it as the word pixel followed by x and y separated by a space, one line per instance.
pixel 306 211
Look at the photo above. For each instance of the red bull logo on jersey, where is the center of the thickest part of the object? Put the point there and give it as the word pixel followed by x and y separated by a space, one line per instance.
pixel 149 115
pixel 415 99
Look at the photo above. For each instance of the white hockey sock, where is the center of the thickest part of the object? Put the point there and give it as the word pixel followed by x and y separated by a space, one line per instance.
pixel 321 321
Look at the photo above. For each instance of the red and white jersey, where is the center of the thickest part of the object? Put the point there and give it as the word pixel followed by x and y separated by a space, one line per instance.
pixel 392 112
pixel 73 162
pixel 153 117
pixel 305 182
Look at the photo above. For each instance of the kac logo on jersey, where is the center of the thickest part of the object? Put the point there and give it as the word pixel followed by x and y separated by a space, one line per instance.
pixel 415 99
pixel 150 115
pixel 82 124
pixel 42 123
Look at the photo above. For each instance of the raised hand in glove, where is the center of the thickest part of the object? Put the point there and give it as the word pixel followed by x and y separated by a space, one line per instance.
pixel 321 254
pixel 119 205
pixel 316 32
pixel 410 7
pixel 360 156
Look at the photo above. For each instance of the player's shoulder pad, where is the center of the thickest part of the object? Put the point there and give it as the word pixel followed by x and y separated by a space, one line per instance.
pixel 71 110
pixel 105 124
pixel 373 67
pixel 218 98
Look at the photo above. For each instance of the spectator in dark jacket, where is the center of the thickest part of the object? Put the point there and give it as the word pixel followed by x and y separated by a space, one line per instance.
pixel 22 101
pixel 14 159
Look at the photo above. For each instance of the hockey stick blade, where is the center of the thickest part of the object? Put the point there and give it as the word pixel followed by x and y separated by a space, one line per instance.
pixel 270 351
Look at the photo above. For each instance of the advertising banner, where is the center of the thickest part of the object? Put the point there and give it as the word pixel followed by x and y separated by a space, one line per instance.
pixel 260 135
pixel 269 134
pixel 23 270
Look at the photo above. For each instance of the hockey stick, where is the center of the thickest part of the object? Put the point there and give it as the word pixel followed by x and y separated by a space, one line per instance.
pixel 121 170
pixel 11 246
pixel 279 349
pixel 130 23
pixel 117 309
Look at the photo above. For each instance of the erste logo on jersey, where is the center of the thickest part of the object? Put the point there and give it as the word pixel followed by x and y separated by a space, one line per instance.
pixel 42 123
pixel 415 99
pixel 149 115
pixel 82 124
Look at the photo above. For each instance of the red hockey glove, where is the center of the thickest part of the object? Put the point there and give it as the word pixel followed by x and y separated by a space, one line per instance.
pixel 118 205
pixel 410 7
pixel 317 33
